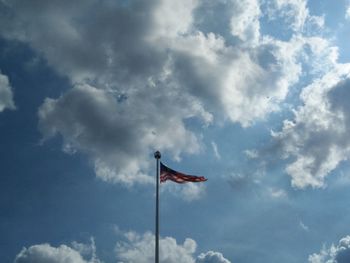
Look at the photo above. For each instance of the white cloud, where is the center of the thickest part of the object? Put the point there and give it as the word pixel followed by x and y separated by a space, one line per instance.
pixel 140 249
pixel 45 253
pixel 167 14
pixel 134 248
pixel 312 139
pixel 335 254
pixel 6 96
pixel 211 257
pixel 315 141
pixel 245 21
pixel 317 138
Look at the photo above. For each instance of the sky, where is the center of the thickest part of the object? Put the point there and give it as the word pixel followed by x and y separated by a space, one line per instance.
pixel 251 94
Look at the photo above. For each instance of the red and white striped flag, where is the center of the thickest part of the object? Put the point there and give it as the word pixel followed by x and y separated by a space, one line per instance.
pixel 169 174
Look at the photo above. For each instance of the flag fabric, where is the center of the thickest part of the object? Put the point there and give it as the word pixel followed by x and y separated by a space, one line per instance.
pixel 169 174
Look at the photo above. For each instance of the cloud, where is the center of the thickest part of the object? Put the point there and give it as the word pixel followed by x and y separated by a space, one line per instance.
pixel 188 192
pixel 303 226
pixel 347 14
pixel 45 253
pixel 245 22
pixel 251 154
pixel 296 15
pixel 134 248
pixel 6 95
pixel 317 137
pixel 295 10
pixel 166 17
pixel 140 249
pixel 211 257
pixel 138 74
pixel 116 134
pixel 216 151
pixel 335 254
pixel 277 193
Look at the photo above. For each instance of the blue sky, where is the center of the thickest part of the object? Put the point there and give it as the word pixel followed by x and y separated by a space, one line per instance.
pixel 251 94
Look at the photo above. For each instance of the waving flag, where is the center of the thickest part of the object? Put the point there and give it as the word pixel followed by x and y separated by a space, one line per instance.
pixel 169 174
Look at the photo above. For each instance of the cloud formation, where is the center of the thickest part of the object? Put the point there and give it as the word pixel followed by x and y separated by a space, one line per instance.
pixel 140 249
pixel 211 257
pixel 316 139
pixel 135 248
pixel 335 254
pixel 138 73
pixel 6 95
pixel 115 133
pixel 45 253
pixel 244 22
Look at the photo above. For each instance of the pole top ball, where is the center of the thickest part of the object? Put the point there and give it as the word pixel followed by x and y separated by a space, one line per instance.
pixel 157 155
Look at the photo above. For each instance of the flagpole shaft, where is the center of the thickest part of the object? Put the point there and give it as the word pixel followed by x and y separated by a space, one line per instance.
pixel 157 155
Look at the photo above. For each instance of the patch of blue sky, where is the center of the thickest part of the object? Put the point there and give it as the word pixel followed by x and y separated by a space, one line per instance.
pixel 46 194
pixel 272 27
pixel 251 217
pixel 343 40
pixel 334 11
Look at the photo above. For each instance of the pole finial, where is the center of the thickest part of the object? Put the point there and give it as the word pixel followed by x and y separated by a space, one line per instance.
pixel 157 155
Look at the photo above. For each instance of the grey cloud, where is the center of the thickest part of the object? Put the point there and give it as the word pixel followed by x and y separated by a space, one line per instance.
pixel 6 95
pixel 87 39
pixel 159 69
pixel 115 134
pixel 118 45
pixel 338 96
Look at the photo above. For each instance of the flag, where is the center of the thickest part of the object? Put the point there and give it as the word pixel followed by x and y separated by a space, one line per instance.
pixel 169 174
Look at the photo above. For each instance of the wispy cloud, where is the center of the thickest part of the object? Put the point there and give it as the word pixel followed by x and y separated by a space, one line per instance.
pixel 252 154
pixel 216 151
pixel 277 193
pixel 347 14
pixel 303 226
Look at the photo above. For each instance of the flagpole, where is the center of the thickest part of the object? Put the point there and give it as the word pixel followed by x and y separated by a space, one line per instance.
pixel 157 155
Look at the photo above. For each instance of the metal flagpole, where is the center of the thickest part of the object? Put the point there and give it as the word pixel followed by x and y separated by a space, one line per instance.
pixel 157 155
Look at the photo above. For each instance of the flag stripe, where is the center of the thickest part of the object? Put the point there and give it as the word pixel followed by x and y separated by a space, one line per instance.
pixel 169 174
